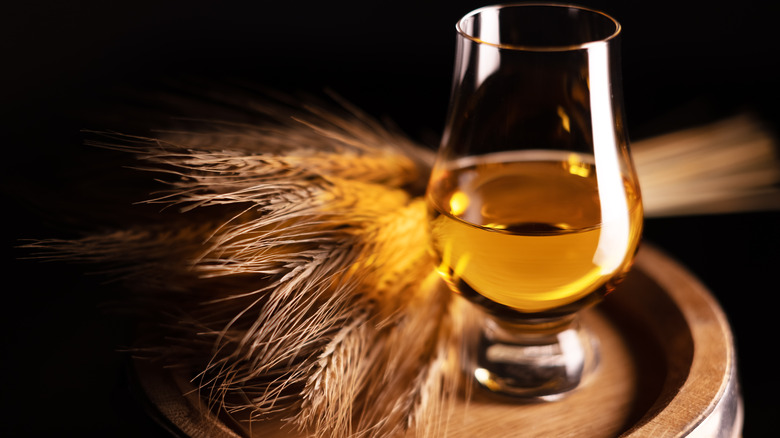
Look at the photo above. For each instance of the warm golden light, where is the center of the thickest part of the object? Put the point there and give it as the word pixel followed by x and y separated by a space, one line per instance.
pixel 459 203
pixel 565 122
pixel 577 167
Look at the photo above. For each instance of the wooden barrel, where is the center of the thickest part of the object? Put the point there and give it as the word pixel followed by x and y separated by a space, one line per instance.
pixel 667 369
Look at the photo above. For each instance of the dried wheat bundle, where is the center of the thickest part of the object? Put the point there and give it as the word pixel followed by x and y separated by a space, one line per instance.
pixel 727 166
pixel 302 296
pixel 307 293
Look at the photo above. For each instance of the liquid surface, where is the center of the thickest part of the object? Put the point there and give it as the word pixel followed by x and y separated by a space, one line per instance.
pixel 531 234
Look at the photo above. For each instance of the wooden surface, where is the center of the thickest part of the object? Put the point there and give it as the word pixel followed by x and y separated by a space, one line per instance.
pixel 604 407
pixel 667 368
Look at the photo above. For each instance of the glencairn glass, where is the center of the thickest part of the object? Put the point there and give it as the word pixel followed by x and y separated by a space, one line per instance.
pixel 535 209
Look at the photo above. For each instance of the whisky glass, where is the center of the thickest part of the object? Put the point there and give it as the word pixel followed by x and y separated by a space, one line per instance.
pixel 535 209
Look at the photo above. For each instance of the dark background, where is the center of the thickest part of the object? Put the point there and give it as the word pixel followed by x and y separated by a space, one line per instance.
pixel 68 66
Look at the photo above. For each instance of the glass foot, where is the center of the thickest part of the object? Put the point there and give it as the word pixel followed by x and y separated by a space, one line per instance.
pixel 541 361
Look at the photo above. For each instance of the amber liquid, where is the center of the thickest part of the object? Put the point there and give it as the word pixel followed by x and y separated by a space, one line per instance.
pixel 532 231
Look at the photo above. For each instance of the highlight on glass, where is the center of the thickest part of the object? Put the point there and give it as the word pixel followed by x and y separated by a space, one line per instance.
pixel 535 208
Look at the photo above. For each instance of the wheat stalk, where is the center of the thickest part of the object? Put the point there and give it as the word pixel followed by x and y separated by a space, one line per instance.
pixel 730 165
pixel 307 294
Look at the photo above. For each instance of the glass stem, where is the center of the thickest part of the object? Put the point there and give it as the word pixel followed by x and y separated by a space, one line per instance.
pixel 543 360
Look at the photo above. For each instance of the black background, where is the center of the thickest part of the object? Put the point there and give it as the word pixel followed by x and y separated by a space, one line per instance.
pixel 65 66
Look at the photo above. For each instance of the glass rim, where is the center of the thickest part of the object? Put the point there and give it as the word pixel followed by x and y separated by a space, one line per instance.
pixel 459 26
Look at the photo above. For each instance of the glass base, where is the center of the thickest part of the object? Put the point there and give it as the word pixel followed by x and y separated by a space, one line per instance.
pixel 534 361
